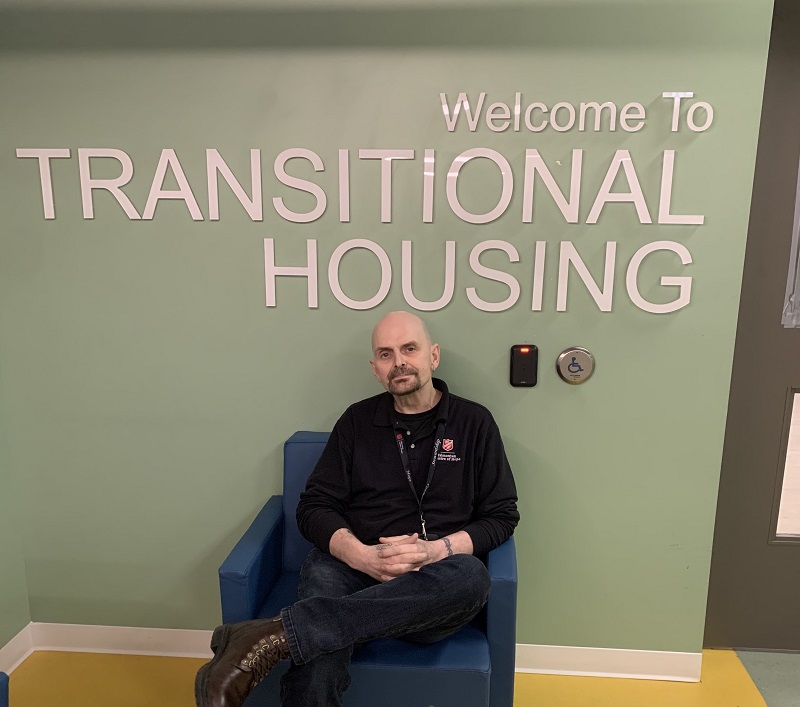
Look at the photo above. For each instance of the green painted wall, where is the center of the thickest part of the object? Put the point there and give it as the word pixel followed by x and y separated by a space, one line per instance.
pixel 152 389
pixel 14 609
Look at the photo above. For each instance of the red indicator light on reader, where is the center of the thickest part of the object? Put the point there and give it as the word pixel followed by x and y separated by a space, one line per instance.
pixel 524 365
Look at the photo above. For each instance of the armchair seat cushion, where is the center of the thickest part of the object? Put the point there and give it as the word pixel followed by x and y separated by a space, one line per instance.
pixel 467 651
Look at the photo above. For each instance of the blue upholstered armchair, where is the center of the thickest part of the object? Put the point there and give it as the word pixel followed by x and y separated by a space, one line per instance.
pixel 3 690
pixel 473 668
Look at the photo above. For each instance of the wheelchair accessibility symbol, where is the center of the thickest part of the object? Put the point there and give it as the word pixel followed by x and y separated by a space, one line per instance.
pixel 575 365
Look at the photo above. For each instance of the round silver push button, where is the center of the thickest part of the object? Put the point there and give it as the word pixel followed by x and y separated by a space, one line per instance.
pixel 575 365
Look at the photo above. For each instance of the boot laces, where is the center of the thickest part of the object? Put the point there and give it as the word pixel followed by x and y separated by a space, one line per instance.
pixel 264 655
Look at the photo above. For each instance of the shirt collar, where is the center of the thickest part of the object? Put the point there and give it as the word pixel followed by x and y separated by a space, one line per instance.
pixel 384 414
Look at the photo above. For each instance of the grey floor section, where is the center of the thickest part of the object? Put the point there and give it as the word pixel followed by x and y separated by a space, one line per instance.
pixel 777 676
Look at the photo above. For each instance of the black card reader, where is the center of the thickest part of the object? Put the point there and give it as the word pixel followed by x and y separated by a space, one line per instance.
pixel 524 365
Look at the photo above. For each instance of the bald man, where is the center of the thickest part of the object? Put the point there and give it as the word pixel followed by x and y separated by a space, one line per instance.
pixel 411 492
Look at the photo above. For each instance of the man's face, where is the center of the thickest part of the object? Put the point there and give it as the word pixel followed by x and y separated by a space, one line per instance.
pixel 403 357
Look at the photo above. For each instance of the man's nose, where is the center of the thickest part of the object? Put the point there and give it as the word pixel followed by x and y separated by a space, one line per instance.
pixel 398 359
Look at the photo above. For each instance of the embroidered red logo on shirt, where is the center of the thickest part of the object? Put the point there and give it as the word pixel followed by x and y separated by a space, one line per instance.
pixel 447 445
pixel 399 436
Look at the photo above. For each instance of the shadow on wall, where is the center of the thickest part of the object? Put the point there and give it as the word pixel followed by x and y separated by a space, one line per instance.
pixel 585 24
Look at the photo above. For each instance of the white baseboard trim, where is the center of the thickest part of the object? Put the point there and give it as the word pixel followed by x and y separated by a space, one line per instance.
pixel 609 662
pixel 16 650
pixel 184 643
pixel 81 638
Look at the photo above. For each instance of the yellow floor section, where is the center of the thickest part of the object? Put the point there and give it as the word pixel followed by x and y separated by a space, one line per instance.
pixel 53 679
pixel 58 679
pixel 724 683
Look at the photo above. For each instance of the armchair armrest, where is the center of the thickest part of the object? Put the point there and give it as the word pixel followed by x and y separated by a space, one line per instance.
pixel 252 567
pixel 501 622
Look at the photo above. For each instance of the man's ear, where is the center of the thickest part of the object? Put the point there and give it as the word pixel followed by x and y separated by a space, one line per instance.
pixel 434 356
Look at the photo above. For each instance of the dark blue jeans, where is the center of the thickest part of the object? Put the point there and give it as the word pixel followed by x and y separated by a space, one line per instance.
pixel 340 607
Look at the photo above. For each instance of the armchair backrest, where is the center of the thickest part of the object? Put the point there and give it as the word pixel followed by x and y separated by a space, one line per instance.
pixel 300 455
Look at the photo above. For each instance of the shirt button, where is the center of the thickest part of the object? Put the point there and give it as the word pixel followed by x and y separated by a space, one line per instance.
pixel 408 432
pixel 412 446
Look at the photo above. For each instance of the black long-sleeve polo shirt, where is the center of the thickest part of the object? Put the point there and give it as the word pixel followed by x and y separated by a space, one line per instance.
pixel 359 482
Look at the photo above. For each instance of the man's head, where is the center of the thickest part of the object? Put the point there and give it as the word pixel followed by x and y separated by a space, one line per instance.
pixel 403 357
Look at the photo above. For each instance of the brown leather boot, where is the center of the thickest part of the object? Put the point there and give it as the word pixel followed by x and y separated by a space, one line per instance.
pixel 243 655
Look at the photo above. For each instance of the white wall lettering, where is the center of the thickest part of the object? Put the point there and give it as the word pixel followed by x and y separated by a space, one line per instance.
pixel 386 157
pixel 44 155
pixel 169 160
pixel 492 274
pixel 301 184
pixel 622 158
pixel 603 297
pixel 449 279
pixel 216 165
pixel 113 186
pixel 452 185
pixel 308 271
pixel 684 284
pixel 386 274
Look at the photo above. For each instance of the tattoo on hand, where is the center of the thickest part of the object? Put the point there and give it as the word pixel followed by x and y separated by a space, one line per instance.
pixel 448 546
